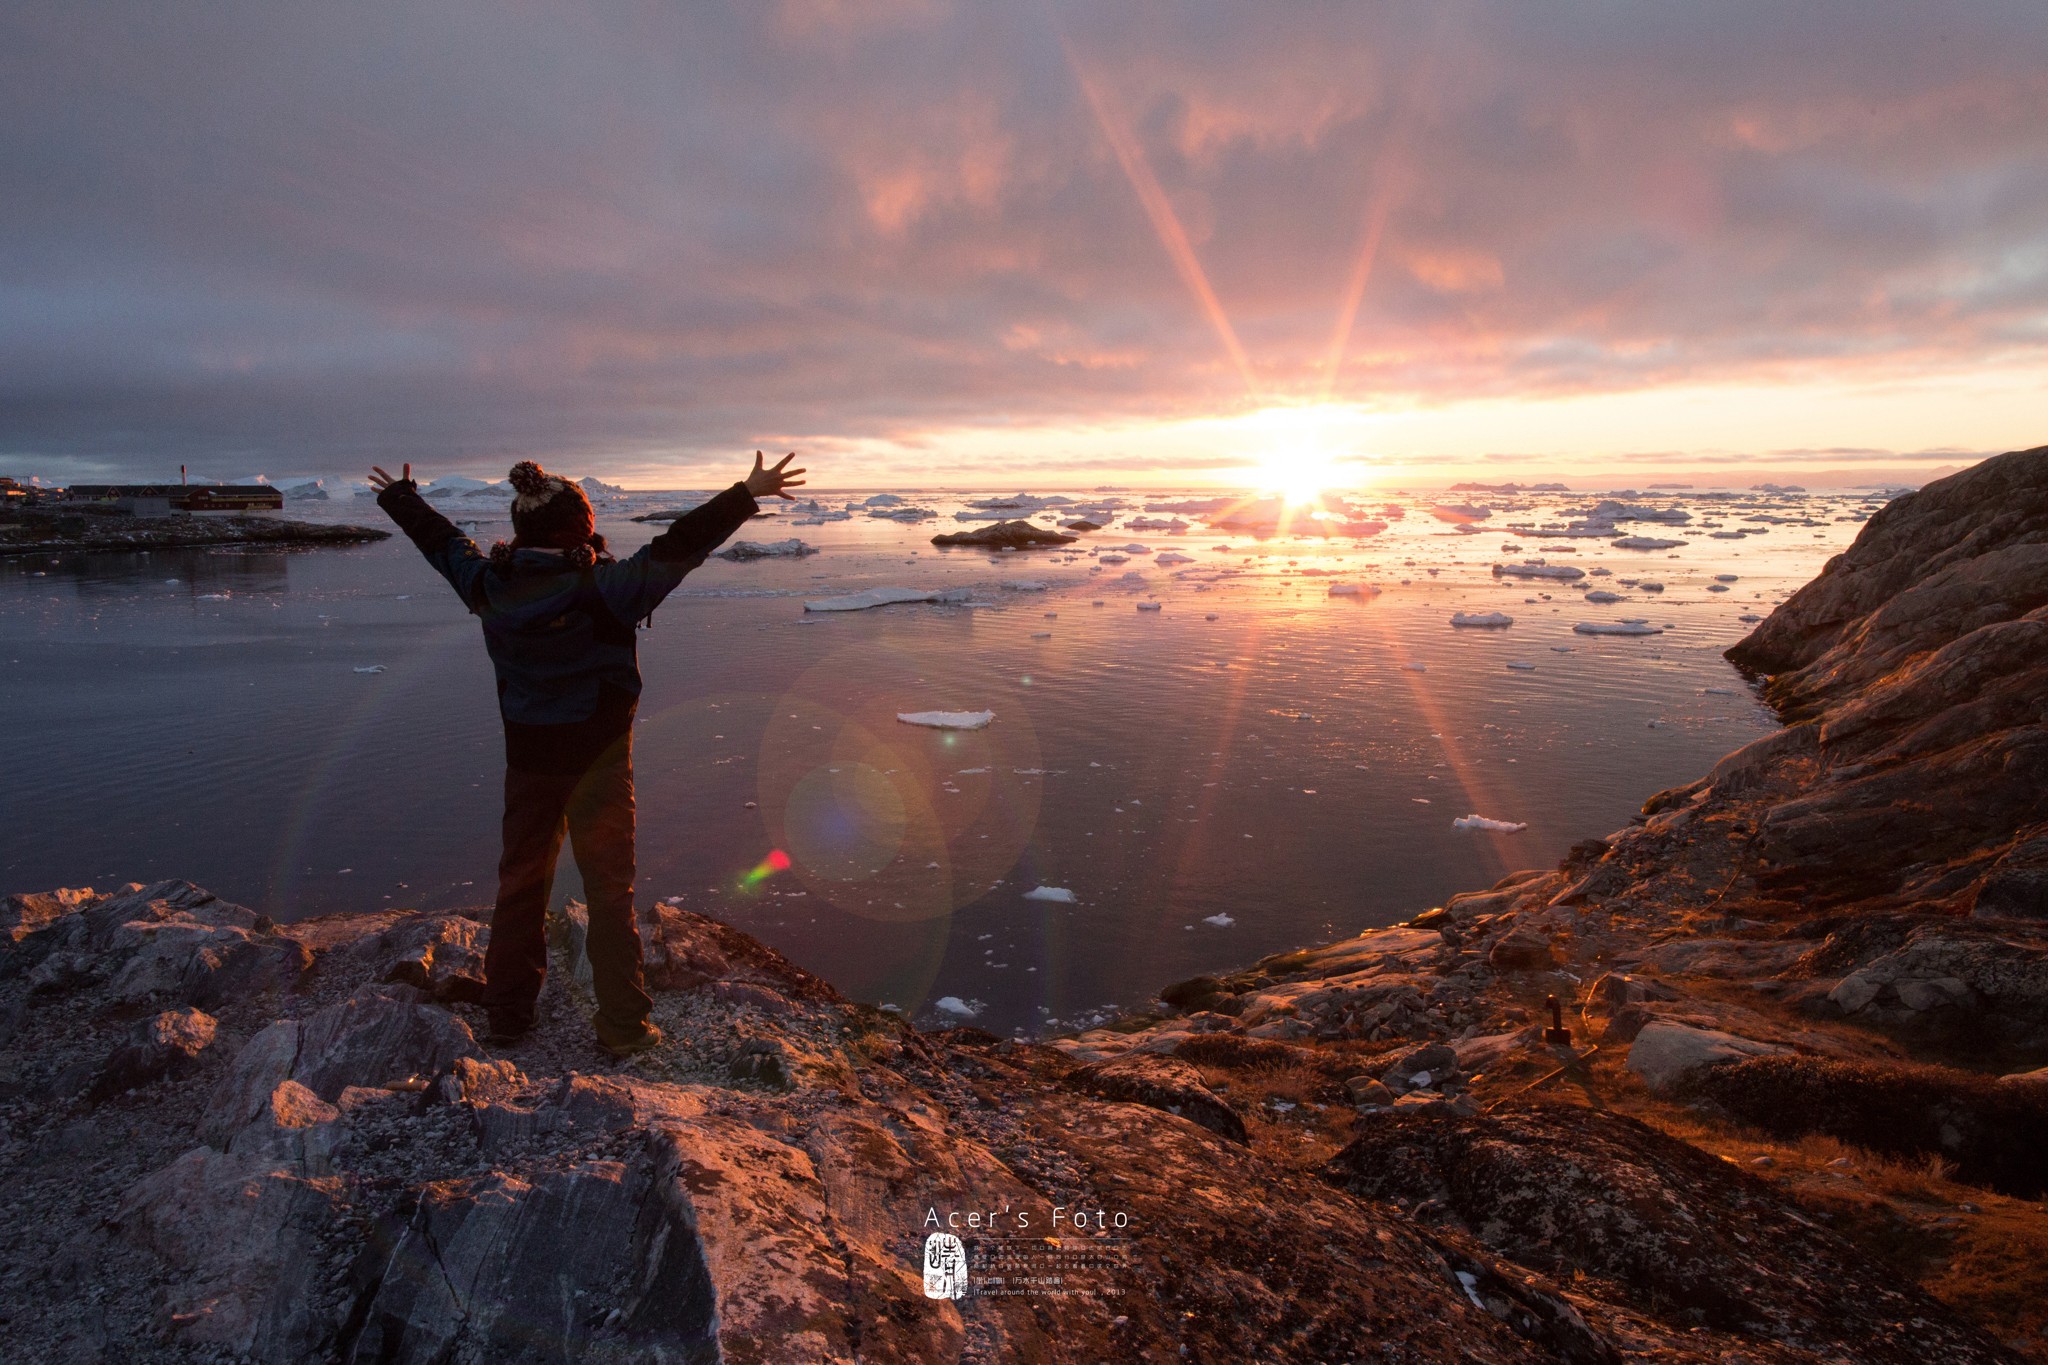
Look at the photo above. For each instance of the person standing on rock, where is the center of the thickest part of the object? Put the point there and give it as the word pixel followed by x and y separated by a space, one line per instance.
pixel 559 614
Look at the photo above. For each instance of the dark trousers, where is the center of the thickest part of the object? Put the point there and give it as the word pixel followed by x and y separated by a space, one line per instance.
pixel 595 807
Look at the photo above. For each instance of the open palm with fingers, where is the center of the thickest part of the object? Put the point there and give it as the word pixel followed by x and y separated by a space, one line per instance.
pixel 769 481
pixel 380 481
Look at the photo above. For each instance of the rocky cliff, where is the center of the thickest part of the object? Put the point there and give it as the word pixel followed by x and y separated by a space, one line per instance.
pixel 1783 1113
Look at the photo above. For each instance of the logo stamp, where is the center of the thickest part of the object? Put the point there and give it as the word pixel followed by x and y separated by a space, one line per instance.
pixel 945 1267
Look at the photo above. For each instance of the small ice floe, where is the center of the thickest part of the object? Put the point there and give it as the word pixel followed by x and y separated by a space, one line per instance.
pixel 170 582
pixel 1209 616
pixel 955 1006
pixel 371 668
pixel 1481 618
pixel 213 597
pixel 742 550
pixel 1059 894
pixel 1600 573
pixel 886 597
pixel 1635 626
pixel 1219 920
pixel 1727 578
pixel 1041 635
pixel 1650 587
pixel 1602 595
pixel 1416 668
pixel 1717 691
pixel 1491 826
pixel 1353 590
pixel 1521 665
pixel 1644 543
pixel 1150 606
pixel 1171 557
pixel 1749 616
pixel 1536 568
pixel 1717 587
pixel 1562 649
pixel 1026 585
pixel 1112 559
pixel 948 720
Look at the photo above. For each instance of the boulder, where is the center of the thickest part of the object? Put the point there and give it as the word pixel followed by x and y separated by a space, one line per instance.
pixel 162 1048
pixel 441 954
pixel 23 914
pixel 1664 1052
pixel 245 1241
pixel 1162 1083
pixel 1521 950
pixel 296 1131
pixel 380 1034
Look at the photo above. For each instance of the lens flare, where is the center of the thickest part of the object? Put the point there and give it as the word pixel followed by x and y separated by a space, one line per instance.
pixel 776 861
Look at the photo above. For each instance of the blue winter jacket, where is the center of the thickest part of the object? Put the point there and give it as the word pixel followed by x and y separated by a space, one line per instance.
pixel 561 639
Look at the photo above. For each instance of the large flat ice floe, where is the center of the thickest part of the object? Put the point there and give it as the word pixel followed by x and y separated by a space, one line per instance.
pixel 886 597
pixel 771 549
pixel 1564 573
pixel 1636 627
pixel 1493 826
pixel 1481 618
pixel 948 720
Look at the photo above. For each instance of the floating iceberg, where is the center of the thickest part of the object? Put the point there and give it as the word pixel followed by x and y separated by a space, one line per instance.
pixel 1521 665
pixel 371 668
pixel 741 550
pixel 1150 606
pixel 1026 585
pixel 954 1005
pixel 1536 568
pixel 1219 920
pixel 885 597
pixel 948 720
pixel 1634 627
pixel 1603 596
pixel 1644 543
pixel 1482 618
pixel 1059 894
pixel 1172 558
pixel 1494 826
pixel 1354 590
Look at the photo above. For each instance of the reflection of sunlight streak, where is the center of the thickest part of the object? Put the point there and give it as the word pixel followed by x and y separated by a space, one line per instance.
pixel 1477 793
pixel 1159 209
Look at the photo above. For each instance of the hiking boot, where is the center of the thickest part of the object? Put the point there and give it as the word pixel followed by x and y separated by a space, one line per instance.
pixel 624 1042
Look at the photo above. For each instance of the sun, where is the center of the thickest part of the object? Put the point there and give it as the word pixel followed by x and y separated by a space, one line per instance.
pixel 1300 476
pixel 1299 451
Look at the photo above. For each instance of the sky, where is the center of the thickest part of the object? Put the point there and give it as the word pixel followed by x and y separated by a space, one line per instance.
pixel 1025 243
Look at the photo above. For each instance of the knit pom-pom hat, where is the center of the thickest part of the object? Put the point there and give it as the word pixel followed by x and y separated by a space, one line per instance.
pixel 547 509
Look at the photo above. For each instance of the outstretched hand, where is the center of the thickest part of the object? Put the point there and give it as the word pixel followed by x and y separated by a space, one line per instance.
pixel 770 481
pixel 380 481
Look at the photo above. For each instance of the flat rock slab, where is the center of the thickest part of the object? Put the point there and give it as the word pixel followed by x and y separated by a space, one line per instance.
pixel 1664 1053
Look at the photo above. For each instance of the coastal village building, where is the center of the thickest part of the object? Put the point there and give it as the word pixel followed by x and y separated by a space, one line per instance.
pixel 162 499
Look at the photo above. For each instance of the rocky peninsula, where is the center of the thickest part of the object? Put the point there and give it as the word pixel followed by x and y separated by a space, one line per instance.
pixel 53 531
pixel 1788 1108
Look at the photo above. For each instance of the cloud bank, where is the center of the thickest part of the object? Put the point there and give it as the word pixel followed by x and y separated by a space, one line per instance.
pixel 297 236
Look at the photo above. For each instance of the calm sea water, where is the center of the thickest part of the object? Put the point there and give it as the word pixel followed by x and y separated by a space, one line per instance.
pixel 1255 766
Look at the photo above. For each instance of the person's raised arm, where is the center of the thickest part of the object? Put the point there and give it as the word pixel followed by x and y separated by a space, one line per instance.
pixel 454 556
pixel 635 586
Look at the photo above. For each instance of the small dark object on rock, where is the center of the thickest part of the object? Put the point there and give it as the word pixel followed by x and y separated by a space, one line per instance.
pixel 1557 1035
